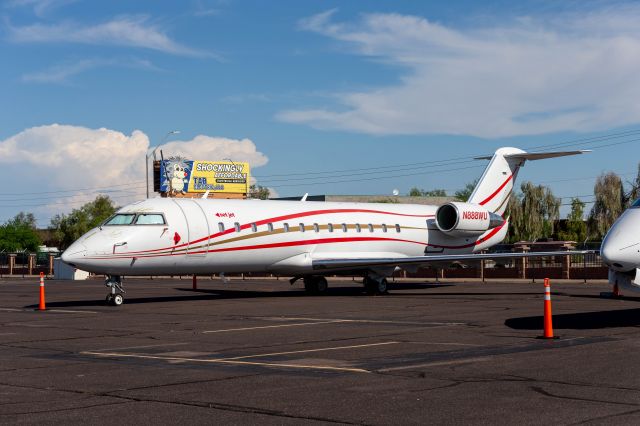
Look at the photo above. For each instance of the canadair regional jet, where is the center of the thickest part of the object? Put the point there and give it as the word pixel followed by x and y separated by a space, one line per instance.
pixel 304 240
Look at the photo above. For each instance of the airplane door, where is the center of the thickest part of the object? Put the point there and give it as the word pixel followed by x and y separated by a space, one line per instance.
pixel 197 227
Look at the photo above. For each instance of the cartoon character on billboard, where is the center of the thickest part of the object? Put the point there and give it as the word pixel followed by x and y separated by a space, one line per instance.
pixel 177 176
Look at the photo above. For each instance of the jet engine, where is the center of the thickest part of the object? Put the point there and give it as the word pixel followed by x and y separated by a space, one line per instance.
pixel 464 219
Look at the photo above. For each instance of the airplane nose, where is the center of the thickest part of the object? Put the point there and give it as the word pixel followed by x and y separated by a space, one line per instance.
pixel 620 249
pixel 73 254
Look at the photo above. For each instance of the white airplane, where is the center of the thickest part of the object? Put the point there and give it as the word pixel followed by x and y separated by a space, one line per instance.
pixel 306 240
pixel 620 250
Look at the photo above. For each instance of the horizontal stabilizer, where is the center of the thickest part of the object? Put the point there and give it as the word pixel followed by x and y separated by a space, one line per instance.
pixel 531 156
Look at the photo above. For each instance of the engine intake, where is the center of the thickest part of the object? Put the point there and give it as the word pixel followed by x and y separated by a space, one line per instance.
pixel 464 219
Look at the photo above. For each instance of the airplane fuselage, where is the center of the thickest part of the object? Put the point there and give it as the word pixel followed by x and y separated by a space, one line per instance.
pixel 206 236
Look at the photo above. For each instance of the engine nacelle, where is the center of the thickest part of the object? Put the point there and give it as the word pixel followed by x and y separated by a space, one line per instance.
pixel 464 219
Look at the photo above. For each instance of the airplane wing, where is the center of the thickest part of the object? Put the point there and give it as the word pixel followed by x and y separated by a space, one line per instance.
pixel 362 263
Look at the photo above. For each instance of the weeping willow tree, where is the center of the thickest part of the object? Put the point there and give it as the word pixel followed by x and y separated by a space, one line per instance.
pixel 533 213
pixel 609 203
pixel 634 192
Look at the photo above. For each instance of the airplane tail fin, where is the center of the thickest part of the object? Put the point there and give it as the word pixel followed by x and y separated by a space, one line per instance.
pixel 497 181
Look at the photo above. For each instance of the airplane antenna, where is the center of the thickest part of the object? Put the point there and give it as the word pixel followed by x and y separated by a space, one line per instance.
pixel 304 197
pixel 206 194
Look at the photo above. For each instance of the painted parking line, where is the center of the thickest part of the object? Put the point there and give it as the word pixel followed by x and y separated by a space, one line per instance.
pixel 426 323
pixel 224 361
pixel 241 360
pixel 436 363
pixel 318 321
pixel 64 311
pixel 299 324
pixel 334 348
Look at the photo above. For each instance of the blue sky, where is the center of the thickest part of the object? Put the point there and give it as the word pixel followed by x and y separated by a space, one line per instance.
pixel 310 86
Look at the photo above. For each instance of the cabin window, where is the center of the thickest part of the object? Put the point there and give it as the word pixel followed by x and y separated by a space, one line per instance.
pixel 344 227
pixel 316 227
pixel 358 227
pixel 330 227
pixel 370 227
pixel 121 219
pixel 384 228
pixel 286 227
pixel 254 227
pixel 150 219
pixel 220 226
pixel 270 227
pixel 397 227
pixel 302 227
pixel 237 226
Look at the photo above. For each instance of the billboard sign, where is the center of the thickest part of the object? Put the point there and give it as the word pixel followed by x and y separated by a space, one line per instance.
pixel 179 175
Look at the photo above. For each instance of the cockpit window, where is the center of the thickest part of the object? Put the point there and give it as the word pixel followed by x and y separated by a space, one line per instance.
pixel 636 203
pixel 121 219
pixel 150 219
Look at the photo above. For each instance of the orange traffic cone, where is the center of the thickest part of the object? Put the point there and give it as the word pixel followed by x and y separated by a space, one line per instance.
pixel 548 317
pixel 42 304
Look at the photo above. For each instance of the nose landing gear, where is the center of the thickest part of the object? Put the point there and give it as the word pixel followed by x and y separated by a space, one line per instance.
pixel 115 296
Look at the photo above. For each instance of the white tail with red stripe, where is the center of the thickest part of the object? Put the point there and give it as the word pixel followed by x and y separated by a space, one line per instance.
pixel 496 184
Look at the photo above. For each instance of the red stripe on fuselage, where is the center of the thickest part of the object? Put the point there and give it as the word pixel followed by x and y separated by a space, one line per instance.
pixel 306 242
pixel 490 197
pixel 277 219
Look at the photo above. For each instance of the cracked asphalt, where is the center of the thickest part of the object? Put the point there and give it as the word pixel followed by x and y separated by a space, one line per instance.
pixel 262 351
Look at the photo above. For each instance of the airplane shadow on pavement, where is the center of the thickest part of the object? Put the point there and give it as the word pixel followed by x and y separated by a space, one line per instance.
pixel 219 294
pixel 581 320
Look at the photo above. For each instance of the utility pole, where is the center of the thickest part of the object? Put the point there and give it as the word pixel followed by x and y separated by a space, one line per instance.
pixel 149 154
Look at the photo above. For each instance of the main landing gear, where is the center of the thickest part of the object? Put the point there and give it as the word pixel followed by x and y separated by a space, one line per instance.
pixel 115 296
pixel 315 284
pixel 375 285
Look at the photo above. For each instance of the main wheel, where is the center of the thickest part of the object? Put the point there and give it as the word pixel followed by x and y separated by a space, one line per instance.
pixel 109 299
pixel 321 285
pixel 117 299
pixel 310 285
pixel 369 285
pixel 381 286
pixel 373 286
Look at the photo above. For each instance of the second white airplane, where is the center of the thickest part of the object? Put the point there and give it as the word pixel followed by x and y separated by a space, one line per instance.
pixel 306 240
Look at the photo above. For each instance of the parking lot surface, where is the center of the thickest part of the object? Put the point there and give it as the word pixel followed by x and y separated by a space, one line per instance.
pixel 262 351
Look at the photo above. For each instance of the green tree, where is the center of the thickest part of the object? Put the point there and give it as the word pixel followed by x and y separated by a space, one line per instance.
pixel 68 228
pixel 609 204
pixel 19 234
pixel 634 192
pixel 465 193
pixel 417 192
pixel 533 213
pixel 576 229
pixel 516 219
pixel 259 191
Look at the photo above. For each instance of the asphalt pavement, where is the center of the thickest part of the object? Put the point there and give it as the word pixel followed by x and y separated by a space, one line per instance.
pixel 263 352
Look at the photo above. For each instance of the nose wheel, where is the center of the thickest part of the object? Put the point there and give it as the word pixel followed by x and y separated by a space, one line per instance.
pixel 116 293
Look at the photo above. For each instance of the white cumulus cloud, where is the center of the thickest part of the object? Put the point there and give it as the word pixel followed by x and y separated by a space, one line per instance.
pixel 534 75
pixel 74 164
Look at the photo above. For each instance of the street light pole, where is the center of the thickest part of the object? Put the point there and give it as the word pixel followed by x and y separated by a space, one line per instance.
pixel 149 154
